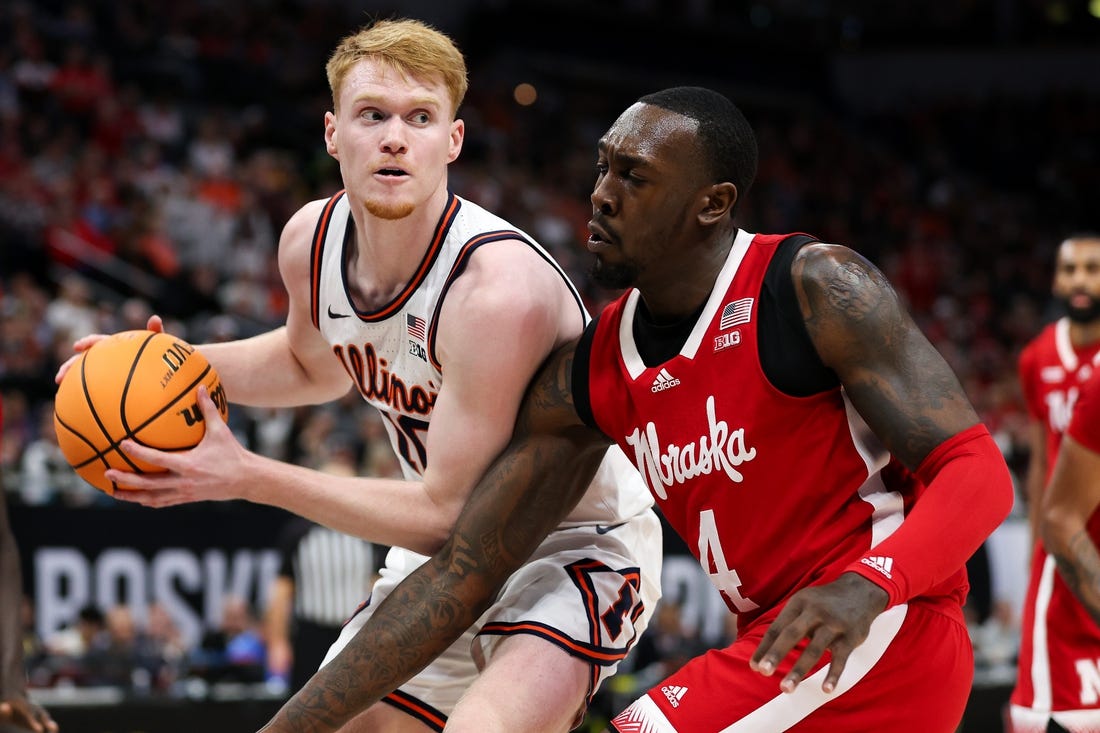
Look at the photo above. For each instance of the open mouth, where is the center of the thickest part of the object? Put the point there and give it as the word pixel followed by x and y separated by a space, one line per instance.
pixel 598 238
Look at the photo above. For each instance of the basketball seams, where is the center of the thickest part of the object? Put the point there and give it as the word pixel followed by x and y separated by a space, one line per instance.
pixel 89 402
pixel 112 445
pixel 134 363
pixel 172 403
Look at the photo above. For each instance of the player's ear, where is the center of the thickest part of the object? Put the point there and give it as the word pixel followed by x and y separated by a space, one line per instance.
pixel 718 201
pixel 330 135
pixel 458 132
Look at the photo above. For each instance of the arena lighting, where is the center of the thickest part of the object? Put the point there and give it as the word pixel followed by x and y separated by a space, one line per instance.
pixel 525 94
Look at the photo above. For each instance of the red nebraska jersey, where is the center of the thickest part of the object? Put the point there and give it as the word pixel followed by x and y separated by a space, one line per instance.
pixel 1058 672
pixel 1051 372
pixel 771 492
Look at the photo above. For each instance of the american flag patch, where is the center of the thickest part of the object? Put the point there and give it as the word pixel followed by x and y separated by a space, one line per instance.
pixel 736 313
pixel 416 327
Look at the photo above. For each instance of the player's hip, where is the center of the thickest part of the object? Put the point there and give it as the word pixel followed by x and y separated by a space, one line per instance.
pixel 913 673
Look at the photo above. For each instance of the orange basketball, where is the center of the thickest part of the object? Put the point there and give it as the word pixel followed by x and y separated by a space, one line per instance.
pixel 135 384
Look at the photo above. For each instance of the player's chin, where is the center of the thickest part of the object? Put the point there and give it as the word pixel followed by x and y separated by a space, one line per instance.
pixel 613 275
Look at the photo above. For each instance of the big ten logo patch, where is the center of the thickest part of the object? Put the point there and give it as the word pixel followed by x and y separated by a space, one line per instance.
pixel 726 340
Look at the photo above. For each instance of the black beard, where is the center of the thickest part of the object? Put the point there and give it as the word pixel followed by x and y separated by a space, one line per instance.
pixel 614 277
pixel 1089 314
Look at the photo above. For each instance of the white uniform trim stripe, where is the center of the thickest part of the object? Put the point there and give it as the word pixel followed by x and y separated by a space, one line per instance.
pixel 1026 720
pixel 1064 346
pixel 888 507
pixel 787 709
pixel 1077 719
pixel 643 716
pixel 718 294
pixel 634 364
pixel 1040 655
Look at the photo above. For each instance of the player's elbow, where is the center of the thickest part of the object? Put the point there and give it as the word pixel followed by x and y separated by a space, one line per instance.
pixel 1003 494
pixel 436 528
pixel 990 474
pixel 1057 526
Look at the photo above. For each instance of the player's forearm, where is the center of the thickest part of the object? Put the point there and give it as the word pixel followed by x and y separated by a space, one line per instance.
pixel 262 371
pixel 423 616
pixel 968 494
pixel 386 511
pixel 1079 563
pixel 525 494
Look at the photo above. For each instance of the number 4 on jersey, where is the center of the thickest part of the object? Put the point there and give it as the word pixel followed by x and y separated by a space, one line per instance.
pixel 713 560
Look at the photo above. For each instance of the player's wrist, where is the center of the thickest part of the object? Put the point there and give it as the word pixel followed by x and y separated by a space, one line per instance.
pixel 870 569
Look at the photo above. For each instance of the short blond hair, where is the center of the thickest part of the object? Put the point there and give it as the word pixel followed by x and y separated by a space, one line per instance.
pixel 409 46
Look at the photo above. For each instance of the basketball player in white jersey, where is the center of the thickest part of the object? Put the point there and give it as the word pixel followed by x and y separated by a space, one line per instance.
pixel 394 282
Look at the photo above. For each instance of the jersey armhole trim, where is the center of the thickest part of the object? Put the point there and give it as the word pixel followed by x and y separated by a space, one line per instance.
pixel 320 234
pixel 582 359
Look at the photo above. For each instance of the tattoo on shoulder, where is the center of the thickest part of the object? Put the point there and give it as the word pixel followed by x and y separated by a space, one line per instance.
pixel 832 279
pixel 894 376
pixel 847 290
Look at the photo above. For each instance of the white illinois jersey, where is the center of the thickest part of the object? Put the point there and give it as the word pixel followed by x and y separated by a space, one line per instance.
pixel 390 353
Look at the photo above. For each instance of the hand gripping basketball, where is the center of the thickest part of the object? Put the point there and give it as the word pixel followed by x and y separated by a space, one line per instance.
pixel 137 386
pixel 217 468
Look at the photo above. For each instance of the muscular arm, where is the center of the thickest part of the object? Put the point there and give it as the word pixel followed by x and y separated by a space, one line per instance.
pixel 913 403
pixel 1069 501
pixel 506 291
pixel 526 492
pixel 894 377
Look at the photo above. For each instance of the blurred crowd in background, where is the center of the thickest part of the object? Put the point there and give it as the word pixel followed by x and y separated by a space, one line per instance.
pixel 150 153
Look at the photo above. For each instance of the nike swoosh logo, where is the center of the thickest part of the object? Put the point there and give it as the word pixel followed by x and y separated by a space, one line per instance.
pixel 336 315
pixel 605 528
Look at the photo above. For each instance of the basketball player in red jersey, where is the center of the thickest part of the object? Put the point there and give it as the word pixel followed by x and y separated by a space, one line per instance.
pixel 1060 641
pixel 1070 533
pixel 793 424
pixel 15 709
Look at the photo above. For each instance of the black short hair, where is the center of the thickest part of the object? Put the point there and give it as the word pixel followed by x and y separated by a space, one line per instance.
pixel 727 138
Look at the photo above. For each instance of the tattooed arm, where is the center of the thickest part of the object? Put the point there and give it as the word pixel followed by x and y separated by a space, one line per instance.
pixel 525 494
pixel 912 401
pixel 1069 501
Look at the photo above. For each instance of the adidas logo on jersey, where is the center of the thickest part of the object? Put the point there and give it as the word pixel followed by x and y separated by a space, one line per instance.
pixel 882 564
pixel 664 381
pixel 674 693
